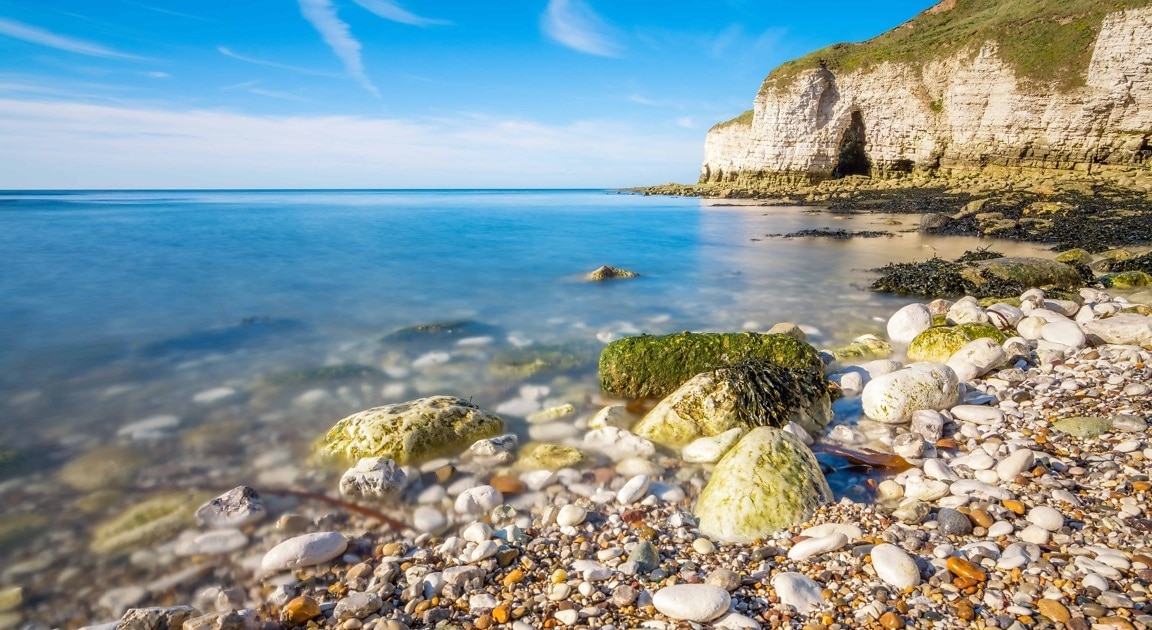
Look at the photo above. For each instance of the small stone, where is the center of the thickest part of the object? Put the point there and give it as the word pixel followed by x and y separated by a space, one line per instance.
pixel 1035 534
pixel 806 549
pixel 633 490
pixel 1054 610
pixel 645 556
pixel 962 568
pixel 891 620
pixel 298 611
pixel 799 591
pixel 236 508
pixel 965 611
pixel 357 606
pixel 703 546
pixel 953 523
pixel 692 602
pixel 304 551
pixel 508 485
pixel 726 579
pixel 623 595
pixel 895 566
pixel 478 501
pixel 571 515
pixel 1014 506
pixel 1046 517
pixel 568 617
pixel 373 477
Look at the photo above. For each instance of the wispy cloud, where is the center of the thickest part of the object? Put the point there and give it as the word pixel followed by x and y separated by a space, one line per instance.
pixel 148 7
pixel 157 75
pixel 54 144
pixel 42 37
pixel 686 122
pixel 575 25
pixel 283 96
pixel 339 38
pixel 390 10
pixel 228 52
pixel 642 100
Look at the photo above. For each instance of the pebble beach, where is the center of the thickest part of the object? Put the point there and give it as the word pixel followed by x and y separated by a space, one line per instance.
pixel 1022 504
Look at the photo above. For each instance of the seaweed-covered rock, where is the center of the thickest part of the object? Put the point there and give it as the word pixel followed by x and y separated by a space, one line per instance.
pixel 893 398
pixel 1126 280
pixel 1074 255
pixel 747 395
pixel 524 362
pixel 935 277
pixel 605 272
pixel 650 367
pixel 411 432
pixel 769 481
pixel 1025 272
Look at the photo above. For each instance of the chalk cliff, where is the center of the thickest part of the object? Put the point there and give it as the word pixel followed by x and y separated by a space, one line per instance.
pixel 966 84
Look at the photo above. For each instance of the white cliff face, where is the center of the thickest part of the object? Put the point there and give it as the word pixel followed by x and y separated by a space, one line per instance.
pixel 967 110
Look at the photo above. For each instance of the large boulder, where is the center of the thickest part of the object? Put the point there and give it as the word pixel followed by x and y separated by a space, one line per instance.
pixel 751 394
pixel 1127 329
pixel 769 481
pixel 893 398
pixel 1025 271
pixel 653 367
pixel 938 344
pixel 411 432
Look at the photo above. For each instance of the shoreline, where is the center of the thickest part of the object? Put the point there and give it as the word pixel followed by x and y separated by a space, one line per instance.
pixel 991 552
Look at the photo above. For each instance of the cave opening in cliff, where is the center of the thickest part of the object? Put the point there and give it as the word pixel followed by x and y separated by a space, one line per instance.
pixel 853 159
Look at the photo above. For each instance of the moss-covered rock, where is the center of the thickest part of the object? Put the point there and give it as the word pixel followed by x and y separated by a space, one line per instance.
pixel 1075 255
pixel 546 456
pixel 150 521
pixel 938 344
pixel 605 272
pixel 989 301
pixel 524 362
pixel 1126 280
pixel 1083 426
pixel 863 348
pixel 769 481
pixel 653 367
pixel 1024 272
pixel 105 467
pixel 748 395
pixel 410 432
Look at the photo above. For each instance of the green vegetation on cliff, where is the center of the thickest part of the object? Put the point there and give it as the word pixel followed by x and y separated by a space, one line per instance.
pixel 744 119
pixel 1043 41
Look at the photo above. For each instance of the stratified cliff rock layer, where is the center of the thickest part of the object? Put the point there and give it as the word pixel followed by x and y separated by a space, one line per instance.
pixel 970 105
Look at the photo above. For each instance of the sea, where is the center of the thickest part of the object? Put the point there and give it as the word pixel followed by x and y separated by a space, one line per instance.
pixel 218 334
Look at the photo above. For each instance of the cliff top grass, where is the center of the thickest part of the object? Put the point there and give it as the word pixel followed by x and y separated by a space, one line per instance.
pixel 744 119
pixel 1044 41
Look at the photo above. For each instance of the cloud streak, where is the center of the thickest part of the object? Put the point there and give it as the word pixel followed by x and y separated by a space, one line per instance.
pixel 336 33
pixel 228 52
pixel 574 24
pixel 390 10
pixel 53 144
pixel 42 37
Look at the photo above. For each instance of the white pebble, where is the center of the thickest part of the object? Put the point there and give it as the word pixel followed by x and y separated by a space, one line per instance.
pixel 633 490
pixel 815 546
pixel 479 500
pixel 895 566
pixel 571 515
pixel 1046 517
pixel 799 591
pixel 692 602
pixel 304 551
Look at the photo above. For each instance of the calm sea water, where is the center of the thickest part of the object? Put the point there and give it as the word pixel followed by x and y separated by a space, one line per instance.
pixel 118 307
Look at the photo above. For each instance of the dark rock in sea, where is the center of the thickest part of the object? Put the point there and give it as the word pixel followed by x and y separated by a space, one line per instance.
pixel 249 331
pixel 319 374
pixel 438 331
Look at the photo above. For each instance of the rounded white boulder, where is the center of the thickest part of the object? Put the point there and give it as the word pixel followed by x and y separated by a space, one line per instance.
pixel 893 398
pixel 908 322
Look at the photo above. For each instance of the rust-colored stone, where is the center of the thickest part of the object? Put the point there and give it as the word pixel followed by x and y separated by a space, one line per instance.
pixel 962 568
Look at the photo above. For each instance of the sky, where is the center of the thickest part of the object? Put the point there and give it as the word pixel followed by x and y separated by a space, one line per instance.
pixel 390 93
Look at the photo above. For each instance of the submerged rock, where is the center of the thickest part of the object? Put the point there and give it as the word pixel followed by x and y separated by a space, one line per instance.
pixel 1025 272
pixel 106 467
pixel 411 432
pixel 544 456
pixel 652 367
pixel 437 330
pixel 863 347
pixel 150 521
pixel 319 374
pixel 769 481
pixel 605 272
pixel 525 362
pixel 747 395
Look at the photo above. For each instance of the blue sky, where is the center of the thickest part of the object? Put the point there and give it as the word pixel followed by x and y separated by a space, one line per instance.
pixel 389 93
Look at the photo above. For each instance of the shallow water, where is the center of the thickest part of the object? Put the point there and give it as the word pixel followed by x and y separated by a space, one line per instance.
pixel 123 306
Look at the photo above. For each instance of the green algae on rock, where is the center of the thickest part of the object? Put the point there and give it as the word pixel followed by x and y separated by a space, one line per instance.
pixel 319 374
pixel 150 521
pixel 1075 255
pixel 1024 272
pixel 769 481
pixel 410 432
pixel 864 347
pixel 938 343
pixel 747 395
pixel 436 330
pixel 547 456
pixel 653 367
pixel 1083 426
pixel 1126 280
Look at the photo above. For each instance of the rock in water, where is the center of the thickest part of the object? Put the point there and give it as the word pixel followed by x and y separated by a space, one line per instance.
pixel 605 272
pixel 238 507
pixel 1026 272
pixel 747 395
pixel 767 482
pixel 893 398
pixel 908 322
pixel 411 432
pixel 653 367
pixel 373 477
pixel 692 602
